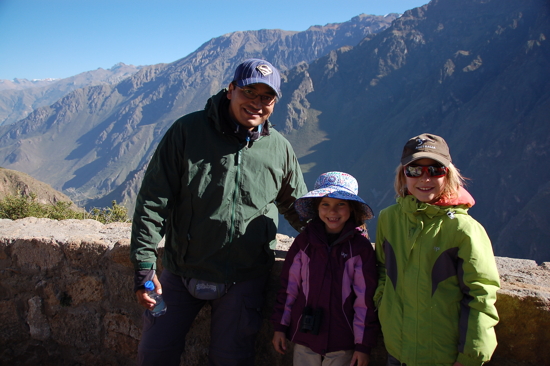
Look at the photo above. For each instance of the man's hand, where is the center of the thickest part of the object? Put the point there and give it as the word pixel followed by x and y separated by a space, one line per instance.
pixel 279 342
pixel 359 359
pixel 142 297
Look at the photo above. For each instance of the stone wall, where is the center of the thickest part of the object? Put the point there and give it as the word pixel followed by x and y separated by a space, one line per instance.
pixel 66 299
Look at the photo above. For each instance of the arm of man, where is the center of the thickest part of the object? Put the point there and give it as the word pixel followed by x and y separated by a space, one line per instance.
pixel 292 188
pixel 159 187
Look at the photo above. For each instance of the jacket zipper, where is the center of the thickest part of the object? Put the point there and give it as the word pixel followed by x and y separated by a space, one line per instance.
pixel 235 193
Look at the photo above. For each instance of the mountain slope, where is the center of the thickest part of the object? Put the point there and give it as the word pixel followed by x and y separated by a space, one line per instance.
pixel 473 71
pixel 476 74
pixel 94 139
pixel 14 183
pixel 20 97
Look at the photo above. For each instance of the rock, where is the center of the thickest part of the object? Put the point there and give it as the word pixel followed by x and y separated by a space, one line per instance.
pixel 66 298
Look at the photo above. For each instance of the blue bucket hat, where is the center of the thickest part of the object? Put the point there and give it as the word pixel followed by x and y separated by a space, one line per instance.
pixel 254 70
pixel 333 185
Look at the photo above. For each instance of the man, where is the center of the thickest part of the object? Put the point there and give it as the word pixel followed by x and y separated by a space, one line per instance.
pixel 213 189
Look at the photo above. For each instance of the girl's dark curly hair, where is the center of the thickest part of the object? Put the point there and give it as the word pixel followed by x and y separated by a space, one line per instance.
pixel 357 213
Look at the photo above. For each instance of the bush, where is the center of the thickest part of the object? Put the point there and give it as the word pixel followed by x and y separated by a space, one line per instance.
pixel 21 206
pixel 106 215
pixel 18 207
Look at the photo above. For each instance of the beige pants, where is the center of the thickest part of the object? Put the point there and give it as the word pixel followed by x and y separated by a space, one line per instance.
pixel 304 356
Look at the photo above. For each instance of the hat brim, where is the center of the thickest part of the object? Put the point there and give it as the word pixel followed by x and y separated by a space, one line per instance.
pixel 305 204
pixel 425 155
pixel 245 82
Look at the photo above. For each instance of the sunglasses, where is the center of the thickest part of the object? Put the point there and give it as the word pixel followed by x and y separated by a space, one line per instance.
pixel 266 100
pixel 415 171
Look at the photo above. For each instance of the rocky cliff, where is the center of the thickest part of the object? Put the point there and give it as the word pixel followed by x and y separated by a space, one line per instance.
pixel 95 141
pixel 66 299
pixel 473 71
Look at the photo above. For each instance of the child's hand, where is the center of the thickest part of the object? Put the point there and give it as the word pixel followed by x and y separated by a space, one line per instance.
pixel 359 359
pixel 279 342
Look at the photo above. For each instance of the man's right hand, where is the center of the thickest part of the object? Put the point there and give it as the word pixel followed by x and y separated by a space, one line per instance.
pixel 144 299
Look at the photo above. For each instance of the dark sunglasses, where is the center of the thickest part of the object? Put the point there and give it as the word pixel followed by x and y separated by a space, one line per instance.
pixel 415 171
pixel 266 100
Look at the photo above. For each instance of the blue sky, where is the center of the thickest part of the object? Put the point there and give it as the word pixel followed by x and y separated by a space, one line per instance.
pixel 61 38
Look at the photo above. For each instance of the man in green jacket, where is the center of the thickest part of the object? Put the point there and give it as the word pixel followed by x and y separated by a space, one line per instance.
pixel 213 189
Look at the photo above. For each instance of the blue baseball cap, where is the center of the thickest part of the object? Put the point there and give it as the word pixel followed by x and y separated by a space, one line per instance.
pixel 254 70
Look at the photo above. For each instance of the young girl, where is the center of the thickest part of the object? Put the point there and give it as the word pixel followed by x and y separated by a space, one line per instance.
pixel 328 279
pixel 437 273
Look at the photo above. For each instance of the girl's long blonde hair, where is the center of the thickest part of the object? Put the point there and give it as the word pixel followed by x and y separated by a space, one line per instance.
pixel 453 181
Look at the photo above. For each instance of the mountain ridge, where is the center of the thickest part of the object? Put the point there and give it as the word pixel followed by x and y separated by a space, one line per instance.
pixel 476 77
pixel 474 74
pixel 21 96
pixel 120 124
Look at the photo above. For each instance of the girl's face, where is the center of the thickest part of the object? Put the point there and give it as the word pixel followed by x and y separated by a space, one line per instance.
pixel 425 188
pixel 334 213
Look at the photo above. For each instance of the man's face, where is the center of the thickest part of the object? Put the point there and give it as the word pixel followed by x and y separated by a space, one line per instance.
pixel 250 113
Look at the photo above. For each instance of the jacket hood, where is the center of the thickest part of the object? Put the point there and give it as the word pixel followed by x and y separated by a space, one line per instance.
pixel 463 198
pixel 212 108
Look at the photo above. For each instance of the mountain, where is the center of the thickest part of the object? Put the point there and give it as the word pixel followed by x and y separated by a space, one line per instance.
pixel 97 138
pixel 19 97
pixel 13 183
pixel 473 71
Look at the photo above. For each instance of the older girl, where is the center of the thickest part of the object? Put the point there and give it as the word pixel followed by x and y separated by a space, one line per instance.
pixel 437 273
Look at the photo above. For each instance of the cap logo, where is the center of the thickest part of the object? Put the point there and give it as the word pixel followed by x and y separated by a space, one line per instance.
pixel 420 143
pixel 264 69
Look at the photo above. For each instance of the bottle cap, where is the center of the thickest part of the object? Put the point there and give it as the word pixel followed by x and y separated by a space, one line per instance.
pixel 149 286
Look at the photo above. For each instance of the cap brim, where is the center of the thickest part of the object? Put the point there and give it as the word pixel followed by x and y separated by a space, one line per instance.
pixel 245 82
pixel 425 155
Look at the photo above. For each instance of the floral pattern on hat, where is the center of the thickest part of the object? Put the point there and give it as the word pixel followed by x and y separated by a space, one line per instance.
pixel 333 185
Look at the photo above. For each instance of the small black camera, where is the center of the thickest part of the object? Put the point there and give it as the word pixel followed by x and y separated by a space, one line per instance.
pixel 311 320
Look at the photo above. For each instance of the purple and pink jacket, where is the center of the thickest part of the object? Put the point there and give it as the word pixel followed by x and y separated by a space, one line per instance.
pixel 340 279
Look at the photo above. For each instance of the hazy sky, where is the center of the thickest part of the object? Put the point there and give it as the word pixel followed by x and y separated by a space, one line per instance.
pixel 61 38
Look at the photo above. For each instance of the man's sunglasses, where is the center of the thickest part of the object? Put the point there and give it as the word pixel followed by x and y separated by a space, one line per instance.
pixel 415 171
pixel 266 100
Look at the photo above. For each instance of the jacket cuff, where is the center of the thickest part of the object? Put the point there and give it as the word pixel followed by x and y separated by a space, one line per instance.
pixel 468 361
pixel 277 327
pixel 145 265
pixel 362 348
pixel 142 276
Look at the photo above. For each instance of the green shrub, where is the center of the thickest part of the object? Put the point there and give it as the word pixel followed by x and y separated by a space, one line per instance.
pixel 21 206
pixel 117 213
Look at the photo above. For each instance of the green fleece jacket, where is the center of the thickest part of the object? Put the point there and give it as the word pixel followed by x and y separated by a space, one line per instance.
pixel 437 284
pixel 215 198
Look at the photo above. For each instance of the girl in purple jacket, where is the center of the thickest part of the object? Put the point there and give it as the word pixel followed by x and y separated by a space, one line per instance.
pixel 324 305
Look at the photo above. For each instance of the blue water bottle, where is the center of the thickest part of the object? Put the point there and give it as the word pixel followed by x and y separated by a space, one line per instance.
pixel 160 307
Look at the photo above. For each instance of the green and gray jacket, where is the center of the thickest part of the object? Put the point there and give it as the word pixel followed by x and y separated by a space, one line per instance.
pixel 215 199
pixel 437 284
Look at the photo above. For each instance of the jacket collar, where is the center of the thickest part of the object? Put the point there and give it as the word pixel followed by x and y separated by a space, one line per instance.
pixel 318 236
pixel 411 205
